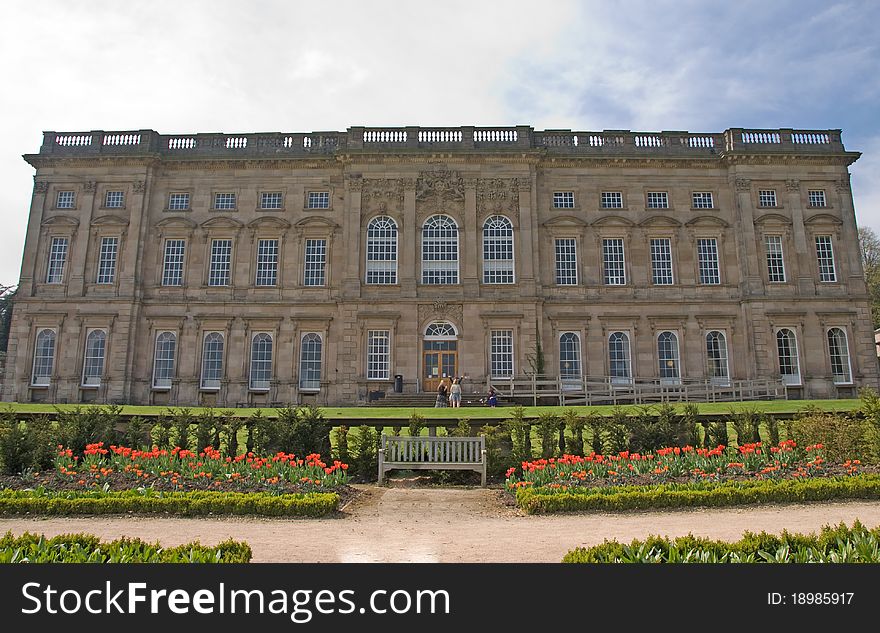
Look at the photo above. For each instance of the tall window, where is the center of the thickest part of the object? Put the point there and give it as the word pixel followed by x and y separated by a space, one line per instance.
pixel 497 250
pixel 314 269
pixel 319 200
pixel 817 197
pixel 163 360
pixel 501 353
pixel 658 200
pixel 566 261
pixel 838 350
pixel 57 258
pixel 44 358
pixel 440 250
pixel 224 201
pixel 378 354
pixel 703 200
pixel 93 362
pixel 382 251
pixel 271 200
pixel 667 354
pixel 563 199
pixel 716 354
pixel 825 258
pixel 787 351
pixel 775 260
pixel 178 202
pixel 221 263
pixel 707 256
pixel 114 199
pixel 767 197
pixel 261 361
pixel 267 263
pixel 612 200
pixel 107 260
pixel 613 258
pixel 310 362
pixel 172 266
pixel 65 200
pixel 212 360
pixel 661 261
pixel 570 356
pixel 619 358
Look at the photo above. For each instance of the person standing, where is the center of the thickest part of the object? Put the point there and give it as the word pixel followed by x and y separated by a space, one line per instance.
pixel 442 394
pixel 455 394
pixel 492 397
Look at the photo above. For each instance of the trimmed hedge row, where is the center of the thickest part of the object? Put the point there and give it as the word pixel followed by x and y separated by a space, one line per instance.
pixel 87 548
pixel 611 499
pixel 839 544
pixel 147 501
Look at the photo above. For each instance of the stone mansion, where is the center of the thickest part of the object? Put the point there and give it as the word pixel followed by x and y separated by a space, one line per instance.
pixel 223 269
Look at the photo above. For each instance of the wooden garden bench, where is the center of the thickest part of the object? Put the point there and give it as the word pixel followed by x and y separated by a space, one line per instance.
pixel 433 453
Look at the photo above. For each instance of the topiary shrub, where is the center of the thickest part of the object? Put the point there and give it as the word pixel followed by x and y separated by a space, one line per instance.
pixel 842 435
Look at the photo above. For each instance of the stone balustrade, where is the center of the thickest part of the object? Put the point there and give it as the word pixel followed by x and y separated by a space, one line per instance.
pixel 370 140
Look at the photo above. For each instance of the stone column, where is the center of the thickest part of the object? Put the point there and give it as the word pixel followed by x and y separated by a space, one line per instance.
pixel 849 239
pixel 802 272
pixel 748 261
pixel 80 247
pixel 29 264
pixel 470 255
pixel 408 245
pixel 189 351
pixel 285 365
pixel 237 356
pixel 129 275
pixel 351 283
pixel 528 229
pixel 67 351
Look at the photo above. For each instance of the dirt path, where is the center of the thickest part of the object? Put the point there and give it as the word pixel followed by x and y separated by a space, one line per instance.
pixel 448 525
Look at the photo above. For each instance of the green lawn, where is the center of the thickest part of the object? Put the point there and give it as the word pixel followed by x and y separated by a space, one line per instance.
pixel 474 413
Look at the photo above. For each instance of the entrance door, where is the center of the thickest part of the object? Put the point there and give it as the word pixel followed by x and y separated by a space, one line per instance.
pixel 439 364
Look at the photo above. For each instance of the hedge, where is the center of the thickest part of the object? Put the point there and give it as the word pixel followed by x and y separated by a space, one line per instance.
pixel 611 499
pixel 839 544
pixel 148 501
pixel 87 548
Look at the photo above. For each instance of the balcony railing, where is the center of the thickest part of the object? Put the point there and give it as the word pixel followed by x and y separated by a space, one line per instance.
pixel 415 139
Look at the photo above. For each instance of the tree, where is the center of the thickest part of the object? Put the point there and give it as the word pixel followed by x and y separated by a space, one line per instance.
pixel 869 243
pixel 7 296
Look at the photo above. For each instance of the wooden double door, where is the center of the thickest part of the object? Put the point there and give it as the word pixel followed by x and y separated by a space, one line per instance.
pixel 439 360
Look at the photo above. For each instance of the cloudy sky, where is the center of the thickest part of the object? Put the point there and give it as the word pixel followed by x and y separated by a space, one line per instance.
pixel 263 66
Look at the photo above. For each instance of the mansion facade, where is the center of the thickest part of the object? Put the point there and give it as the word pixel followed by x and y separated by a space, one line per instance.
pixel 218 269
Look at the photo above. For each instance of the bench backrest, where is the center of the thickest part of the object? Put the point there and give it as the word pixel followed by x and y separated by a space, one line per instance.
pixel 434 450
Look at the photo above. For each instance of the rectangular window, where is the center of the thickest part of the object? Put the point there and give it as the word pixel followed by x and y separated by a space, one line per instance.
pixel 613 258
pixel 566 262
pixel 817 197
pixel 612 200
pixel 563 199
pixel 658 200
pixel 261 362
pixel 319 200
pixel 172 266
pixel 267 263
pixel 775 262
pixel 825 258
pixel 501 353
pixel 221 263
pixel 316 262
pixel 707 256
pixel 107 260
pixel 178 202
pixel 57 259
pixel 271 200
pixel 661 261
pixel 65 200
pixel 703 200
pixel 224 201
pixel 378 354
pixel 767 198
pixel 114 200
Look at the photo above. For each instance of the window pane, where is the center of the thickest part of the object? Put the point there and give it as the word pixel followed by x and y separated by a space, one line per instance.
pixel 57 258
pixel 775 260
pixel 93 363
pixel 716 353
pixel 566 262
pixel 178 202
pixel 767 198
pixel 825 258
pixel 382 251
pixel 658 200
pixel 107 260
pixel 172 270
pixel 114 199
pixel 267 263
pixel 261 361
pixel 221 262
pixel 817 198
pixel 224 201
pixel 44 358
pixel 501 353
pixel 497 251
pixel 315 264
pixel 619 358
pixel 615 268
pixel 707 253
pixel 570 355
pixel 786 349
pixel 65 200
pixel 378 354
pixel 310 363
pixel 667 353
pixel 271 200
pixel 563 200
pixel 661 261
pixel 319 200
pixel 212 360
pixel 702 200
pixel 163 365
pixel 612 200
pixel 839 352
pixel 440 251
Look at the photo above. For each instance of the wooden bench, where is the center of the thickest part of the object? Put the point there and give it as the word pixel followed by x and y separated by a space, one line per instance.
pixel 433 453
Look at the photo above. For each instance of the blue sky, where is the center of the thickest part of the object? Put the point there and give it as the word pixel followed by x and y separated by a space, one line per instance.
pixel 222 66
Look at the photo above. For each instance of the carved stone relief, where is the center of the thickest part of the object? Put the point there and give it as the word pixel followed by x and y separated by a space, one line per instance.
pixel 439 191
pixel 440 310
pixel 497 196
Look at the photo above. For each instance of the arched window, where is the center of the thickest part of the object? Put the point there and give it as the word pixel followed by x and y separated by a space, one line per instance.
pixel 716 354
pixel 93 363
pixel 440 250
pixel 838 350
pixel 163 360
pixel 261 361
pixel 570 359
pixel 787 351
pixel 382 251
pixel 667 354
pixel 440 329
pixel 44 358
pixel 497 250
pixel 619 358
pixel 212 360
pixel 310 362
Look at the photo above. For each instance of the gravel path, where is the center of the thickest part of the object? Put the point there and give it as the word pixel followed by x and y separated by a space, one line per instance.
pixel 448 525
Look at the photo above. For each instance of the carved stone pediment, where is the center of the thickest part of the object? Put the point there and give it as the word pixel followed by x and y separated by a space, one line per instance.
pixel 382 195
pixel 497 196
pixel 440 310
pixel 439 191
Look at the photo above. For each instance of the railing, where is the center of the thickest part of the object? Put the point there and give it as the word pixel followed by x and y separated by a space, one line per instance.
pixel 433 453
pixel 608 390
pixel 358 139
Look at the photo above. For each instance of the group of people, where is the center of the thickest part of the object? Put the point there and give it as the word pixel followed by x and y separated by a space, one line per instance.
pixel 449 395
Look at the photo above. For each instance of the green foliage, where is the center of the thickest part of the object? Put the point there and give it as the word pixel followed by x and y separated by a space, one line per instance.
pixel 149 501
pixel 844 436
pixel 364 463
pixel 297 430
pixel 86 548
pixel 340 438
pixel 772 430
pixel 78 427
pixel 137 433
pixel 617 431
pixel 690 421
pixel 518 429
pixel 499 450
pixel 598 426
pixel 7 298
pixel 161 432
pixel 232 425
pixel 206 422
pixel 182 421
pixel 716 433
pixel 548 427
pixel 575 424
pixel 416 424
pixel 26 446
pixel 747 423
pixel 615 499
pixel 870 411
